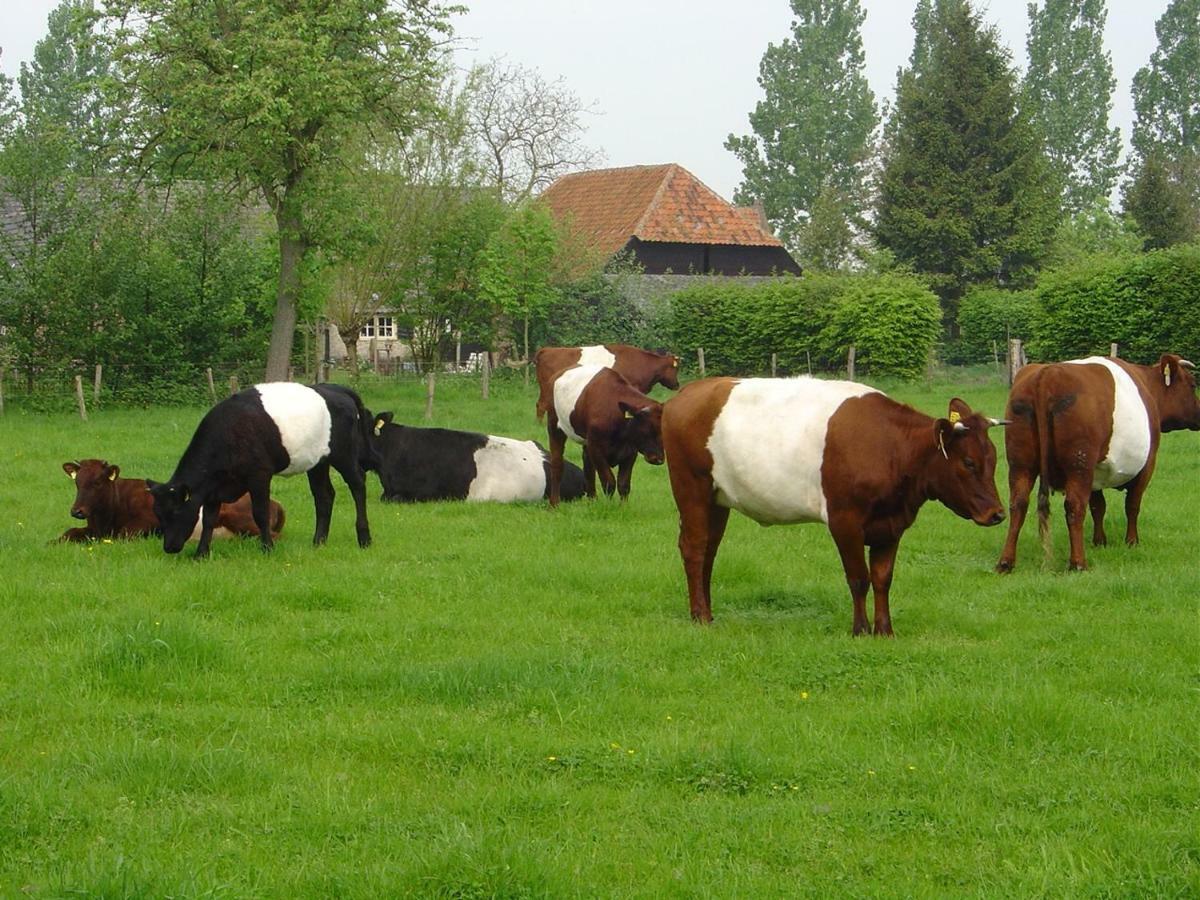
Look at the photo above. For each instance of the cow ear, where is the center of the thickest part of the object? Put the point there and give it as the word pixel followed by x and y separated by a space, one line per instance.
pixel 944 430
pixel 381 419
pixel 152 486
pixel 627 409
pixel 113 472
pixel 959 410
pixel 72 469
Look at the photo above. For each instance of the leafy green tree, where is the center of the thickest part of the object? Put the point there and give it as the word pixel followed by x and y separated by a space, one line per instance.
pixel 1067 92
pixel 268 93
pixel 1166 93
pixel 812 128
pixel 966 194
pixel 519 272
pixel 1161 200
pixel 1092 232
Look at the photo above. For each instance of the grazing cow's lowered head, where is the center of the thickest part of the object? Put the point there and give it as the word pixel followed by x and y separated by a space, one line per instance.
pixel 1175 392
pixel 963 474
pixel 642 430
pixel 667 372
pixel 177 509
pixel 95 485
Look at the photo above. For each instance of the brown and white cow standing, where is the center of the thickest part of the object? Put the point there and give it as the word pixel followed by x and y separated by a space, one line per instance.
pixel 597 407
pixel 641 368
pixel 805 450
pixel 116 507
pixel 1086 425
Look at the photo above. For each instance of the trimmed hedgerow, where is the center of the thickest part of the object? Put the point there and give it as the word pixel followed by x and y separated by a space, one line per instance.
pixel 893 320
pixel 991 315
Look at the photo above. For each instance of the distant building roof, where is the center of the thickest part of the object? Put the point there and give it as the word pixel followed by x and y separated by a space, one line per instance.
pixel 664 203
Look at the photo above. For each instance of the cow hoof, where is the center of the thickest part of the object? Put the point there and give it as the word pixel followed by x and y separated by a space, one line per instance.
pixel 1077 567
pixel 1004 566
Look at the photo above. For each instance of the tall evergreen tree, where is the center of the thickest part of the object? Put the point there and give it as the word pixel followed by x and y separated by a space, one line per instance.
pixel 966 194
pixel 813 126
pixel 1068 94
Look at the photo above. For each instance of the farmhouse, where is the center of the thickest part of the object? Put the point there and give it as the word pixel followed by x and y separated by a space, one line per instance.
pixel 668 221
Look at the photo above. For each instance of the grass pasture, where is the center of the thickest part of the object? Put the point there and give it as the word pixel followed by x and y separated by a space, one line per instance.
pixel 511 701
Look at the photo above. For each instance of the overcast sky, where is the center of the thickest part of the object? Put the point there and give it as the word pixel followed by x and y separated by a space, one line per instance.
pixel 670 79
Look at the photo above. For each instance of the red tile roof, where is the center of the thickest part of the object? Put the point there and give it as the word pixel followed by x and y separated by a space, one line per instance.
pixel 652 203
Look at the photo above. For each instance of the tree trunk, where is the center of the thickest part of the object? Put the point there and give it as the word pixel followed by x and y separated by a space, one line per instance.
pixel 292 248
pixel 350 339
pixel 527 348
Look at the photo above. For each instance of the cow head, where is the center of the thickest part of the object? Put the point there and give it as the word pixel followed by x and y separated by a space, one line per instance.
pixel 95 485
pixel 668 371
pixel 963 474
pixel 177 509
pixel 1178 405
pixel 643 429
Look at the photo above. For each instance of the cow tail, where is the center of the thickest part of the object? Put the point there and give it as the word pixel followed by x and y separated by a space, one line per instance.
pixel 1044 420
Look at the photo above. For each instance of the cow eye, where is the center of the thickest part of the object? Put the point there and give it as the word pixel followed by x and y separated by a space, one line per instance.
pixel 969 463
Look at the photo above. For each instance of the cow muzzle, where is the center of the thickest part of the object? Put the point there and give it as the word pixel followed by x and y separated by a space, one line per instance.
pixel 993 517
pixel 77 513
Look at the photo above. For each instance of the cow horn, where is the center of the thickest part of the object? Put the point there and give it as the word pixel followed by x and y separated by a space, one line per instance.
pixel 1187 364
pixel 960 427
pixel 999 421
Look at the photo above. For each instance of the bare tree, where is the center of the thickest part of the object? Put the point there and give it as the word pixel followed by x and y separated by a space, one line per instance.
pixel 530 131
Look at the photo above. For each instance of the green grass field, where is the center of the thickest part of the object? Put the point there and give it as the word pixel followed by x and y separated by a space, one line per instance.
pixel 512 701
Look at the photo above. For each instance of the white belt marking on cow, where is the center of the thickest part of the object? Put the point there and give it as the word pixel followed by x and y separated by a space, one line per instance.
pixel 567 388
pixel 303 421
pixel 1129 447
pixel 596 356
pixel 508 470
pixel 768 445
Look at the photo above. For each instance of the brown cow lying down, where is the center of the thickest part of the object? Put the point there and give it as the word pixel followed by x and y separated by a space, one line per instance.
pixel 1086 425
pixel 116 507
pixel 806 450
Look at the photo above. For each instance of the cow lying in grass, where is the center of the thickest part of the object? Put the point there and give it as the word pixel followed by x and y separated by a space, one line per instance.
pixel 270 429
pixel 116 507
pixel 421 464
pixel 805 450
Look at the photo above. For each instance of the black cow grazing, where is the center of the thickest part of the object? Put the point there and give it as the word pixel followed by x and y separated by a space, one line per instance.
pixel 270 429
pixel 421 464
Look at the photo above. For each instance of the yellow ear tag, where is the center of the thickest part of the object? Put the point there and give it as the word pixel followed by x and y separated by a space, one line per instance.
pixel 955 418
pixel 379 423
pixel 73 474
pixel 628 414
pixel 113 476
pixel 1167 374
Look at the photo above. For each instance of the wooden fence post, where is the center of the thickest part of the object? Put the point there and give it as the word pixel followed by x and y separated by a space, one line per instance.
pixel 96 384
pixel 1016 358
pixel 1112 349
pixel 774 360
pixel 233 385
pixel 850 363
pixel 1 390
pixel 808 359
pixel 79 397
pixel 430 383
pixel 291 373
pixel 485 360
pixel 212 388
pixel 700 359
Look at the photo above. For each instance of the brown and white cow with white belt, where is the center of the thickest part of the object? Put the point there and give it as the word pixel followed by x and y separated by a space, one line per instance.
pixel 1086 425
pixel 641 368
pixel 597 407
pixel 804 450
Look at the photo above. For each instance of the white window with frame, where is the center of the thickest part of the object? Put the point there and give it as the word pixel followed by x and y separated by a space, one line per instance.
pixel 383 327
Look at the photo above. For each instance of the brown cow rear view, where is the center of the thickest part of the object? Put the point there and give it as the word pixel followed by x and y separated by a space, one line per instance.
pixel 806 450
pixel 1086 425
pixel 116 507
pixel 641 368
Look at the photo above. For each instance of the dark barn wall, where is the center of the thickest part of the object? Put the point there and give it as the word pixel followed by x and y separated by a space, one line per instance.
pixel 659 257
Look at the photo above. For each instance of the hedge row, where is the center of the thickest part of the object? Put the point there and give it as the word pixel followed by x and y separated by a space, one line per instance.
pixel 893 321
pixel 1148 304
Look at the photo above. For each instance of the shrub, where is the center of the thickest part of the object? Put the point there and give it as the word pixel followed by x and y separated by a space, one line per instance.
pixel 988 315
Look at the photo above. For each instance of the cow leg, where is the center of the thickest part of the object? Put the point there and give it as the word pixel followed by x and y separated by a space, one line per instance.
pixel 625 477
pixel 1098 506
pixel 701 525
pixel 589 476
pixel 356 480
pixel 849 540
pixel 322 492
pixel 883 561
pixel 76 535
pixel 1075 506
pixel 718 518
pixel 599 459
pixel 1020 486
pixel 209 514
pixel 1133 502
pixel 558 442
pixel 260 509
